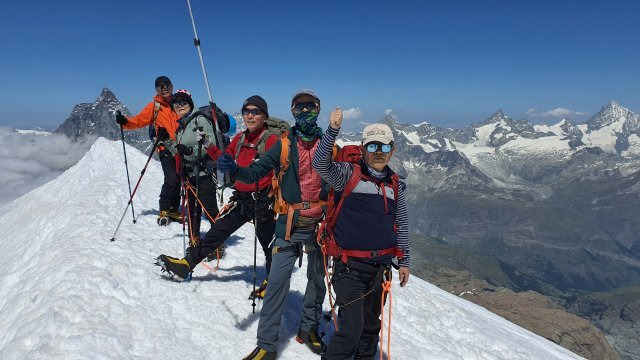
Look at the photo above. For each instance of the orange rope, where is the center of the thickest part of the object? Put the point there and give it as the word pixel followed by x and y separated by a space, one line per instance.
pixel 213 221
pixel 386 288
pixel 326 275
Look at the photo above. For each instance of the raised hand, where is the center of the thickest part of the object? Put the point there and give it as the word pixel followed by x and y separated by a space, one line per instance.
pixel 335 119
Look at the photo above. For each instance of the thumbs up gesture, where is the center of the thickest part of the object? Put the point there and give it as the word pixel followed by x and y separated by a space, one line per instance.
pixel 335 119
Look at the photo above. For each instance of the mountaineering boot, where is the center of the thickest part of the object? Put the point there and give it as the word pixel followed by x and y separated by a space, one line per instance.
pixel 174 215
pixel 174 266
pixel 259 292
pixel 217 253
pixel 313 341
pixel 260 354
pixel 163 218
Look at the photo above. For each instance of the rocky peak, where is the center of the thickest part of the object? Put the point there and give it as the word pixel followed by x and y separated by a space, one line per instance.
pixel 498 116
pixel 609 114
pixel 98 119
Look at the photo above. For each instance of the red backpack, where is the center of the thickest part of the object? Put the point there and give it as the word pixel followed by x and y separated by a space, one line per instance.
pixel 326 238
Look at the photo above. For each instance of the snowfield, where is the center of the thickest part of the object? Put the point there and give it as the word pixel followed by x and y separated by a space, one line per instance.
pixel 67 292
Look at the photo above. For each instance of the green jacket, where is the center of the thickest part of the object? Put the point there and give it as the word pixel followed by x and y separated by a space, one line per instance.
pixel 186 135
pixel 290 185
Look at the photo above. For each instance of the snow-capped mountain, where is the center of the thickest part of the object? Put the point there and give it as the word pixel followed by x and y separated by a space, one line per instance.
pixel 98 119
pixel 68 292
pixel 531 194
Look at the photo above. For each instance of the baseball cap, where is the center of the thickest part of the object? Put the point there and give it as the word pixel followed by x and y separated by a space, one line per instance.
pixel 377 132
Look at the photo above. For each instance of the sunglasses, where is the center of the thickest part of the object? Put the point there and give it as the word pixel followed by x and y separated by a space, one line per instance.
pixel 310 106
pixel 376 146
pixel 180 103
pixel 162 87
pixel 255 112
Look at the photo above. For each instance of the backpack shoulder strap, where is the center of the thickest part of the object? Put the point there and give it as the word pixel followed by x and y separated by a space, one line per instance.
pixel 239 145
pixel 284 152
pixel 353 181
pixel 156 110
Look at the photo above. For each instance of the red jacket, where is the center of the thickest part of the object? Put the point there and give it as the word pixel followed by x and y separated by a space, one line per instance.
pixel 246 156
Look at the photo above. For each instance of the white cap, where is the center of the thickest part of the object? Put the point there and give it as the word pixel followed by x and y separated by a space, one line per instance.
pixel 377 132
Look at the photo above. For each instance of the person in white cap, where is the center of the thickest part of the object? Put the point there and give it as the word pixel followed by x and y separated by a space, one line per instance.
pixel 371 228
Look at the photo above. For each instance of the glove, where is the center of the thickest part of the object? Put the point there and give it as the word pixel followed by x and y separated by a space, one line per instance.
pixel 120 119
pixel 202 136
pixel 163 134
pixel 226 163
pixel 184 150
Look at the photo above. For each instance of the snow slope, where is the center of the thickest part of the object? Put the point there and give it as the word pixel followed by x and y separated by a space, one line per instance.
pixel 67 292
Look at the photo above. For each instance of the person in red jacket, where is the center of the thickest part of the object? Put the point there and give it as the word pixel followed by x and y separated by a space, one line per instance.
pixel 248 200
pixel 165 122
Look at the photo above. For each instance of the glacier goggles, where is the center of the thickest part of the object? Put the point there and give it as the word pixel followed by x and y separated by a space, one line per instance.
pixel 254 112
pixel 310 106
pixel 377 146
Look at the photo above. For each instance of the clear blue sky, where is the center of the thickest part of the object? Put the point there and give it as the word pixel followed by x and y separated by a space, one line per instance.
pixel 450 63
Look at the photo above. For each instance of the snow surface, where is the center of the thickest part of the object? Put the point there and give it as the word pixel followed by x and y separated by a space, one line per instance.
pixel 67 292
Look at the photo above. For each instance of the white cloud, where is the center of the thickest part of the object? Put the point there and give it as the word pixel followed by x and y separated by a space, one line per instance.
pixel 390 112
pixel 353 113
pixel 31 159
pixel 559 112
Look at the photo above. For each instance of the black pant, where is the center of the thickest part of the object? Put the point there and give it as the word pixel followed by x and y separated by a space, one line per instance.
pixel 170 192
pixel 358 318
pixel 227 225
pixel 207 196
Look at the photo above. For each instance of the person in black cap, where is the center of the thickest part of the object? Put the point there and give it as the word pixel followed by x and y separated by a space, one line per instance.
pixel 299 203
pixel 248 201
pixel 164 121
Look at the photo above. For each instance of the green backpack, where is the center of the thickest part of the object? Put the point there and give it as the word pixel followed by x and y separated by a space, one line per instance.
pixel 274 126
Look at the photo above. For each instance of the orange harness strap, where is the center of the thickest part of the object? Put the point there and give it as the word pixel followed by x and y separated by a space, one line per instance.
pixel 386 288
pixel 299 206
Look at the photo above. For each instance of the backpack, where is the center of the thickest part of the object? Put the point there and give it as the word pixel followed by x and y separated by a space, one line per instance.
pixel 326 238
pixel 275 126
pixel 224 123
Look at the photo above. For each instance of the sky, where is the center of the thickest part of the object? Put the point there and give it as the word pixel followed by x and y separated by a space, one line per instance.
pixel 448 63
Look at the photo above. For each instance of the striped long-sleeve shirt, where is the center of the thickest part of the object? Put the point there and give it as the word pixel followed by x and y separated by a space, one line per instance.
pixel 338 173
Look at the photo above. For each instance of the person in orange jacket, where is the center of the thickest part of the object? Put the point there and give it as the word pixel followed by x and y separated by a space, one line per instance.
pixel 165 122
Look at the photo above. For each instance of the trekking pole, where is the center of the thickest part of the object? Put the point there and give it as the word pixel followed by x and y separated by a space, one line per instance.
pixel 183 194
pixel 126 166
pixel 153 149
pixel 255 245
pixel 218 131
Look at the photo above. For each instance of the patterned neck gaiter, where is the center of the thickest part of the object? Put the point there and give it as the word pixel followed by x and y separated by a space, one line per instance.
pixel 306 125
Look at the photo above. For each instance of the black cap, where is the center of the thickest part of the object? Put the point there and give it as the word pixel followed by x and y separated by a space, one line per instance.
pixel 258 101
pixel 162 80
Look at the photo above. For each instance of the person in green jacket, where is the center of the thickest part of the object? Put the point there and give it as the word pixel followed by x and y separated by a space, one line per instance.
pixel 303 190
pixel 197 168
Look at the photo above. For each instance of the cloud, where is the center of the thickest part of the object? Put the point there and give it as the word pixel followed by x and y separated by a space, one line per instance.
pixel 353 113
pixel 555 113
pixel 29 160
pixel 390 112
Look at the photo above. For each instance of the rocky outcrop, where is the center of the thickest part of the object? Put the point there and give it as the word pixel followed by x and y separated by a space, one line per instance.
pixel 530 310
pixel 618 314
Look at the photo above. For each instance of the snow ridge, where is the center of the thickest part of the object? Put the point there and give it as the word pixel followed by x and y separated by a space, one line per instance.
pixel 66 291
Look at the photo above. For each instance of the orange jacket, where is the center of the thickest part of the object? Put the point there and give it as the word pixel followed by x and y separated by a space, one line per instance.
pixel 166 117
